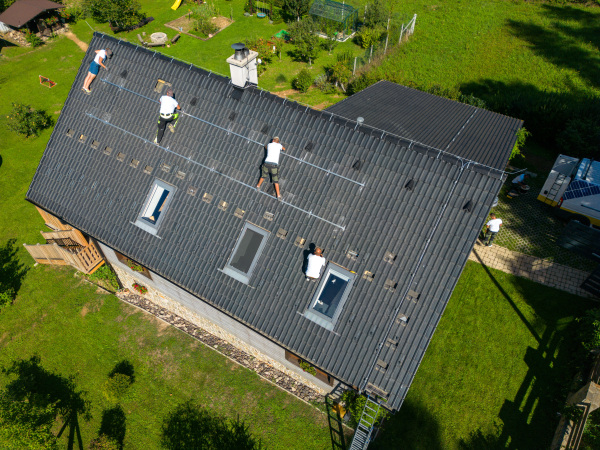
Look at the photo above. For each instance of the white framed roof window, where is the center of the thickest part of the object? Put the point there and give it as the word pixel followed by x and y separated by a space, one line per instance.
pixel 246 253
pixel 333 291
pixel 156 205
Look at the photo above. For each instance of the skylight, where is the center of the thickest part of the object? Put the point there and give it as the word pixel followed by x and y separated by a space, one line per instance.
pixel 246 253
pixel 328 301
pixel 155 207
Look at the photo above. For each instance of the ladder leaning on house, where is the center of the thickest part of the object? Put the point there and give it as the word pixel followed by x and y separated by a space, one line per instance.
pixel 364 430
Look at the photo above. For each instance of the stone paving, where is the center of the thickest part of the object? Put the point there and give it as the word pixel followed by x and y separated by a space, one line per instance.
pixel 536 269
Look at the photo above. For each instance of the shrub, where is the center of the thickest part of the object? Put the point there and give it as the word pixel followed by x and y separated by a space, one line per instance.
pixel 589 329
pixel 141 289
pixel 580 136
pixel 472 100
pixel 134 266
pixel 106 275
pixel 322 83
pixel 103 442
pixel 376 14
pixel 355 403
pixel 6 298
pixel 361 82
pixel 203 18
pixel 25 120
pixel 33 39
pixel 303 36
pixel 72 14
pixel 249 7
pixel 116 386
pixel 308 368
pixel 124 13
pixel 303 81
pixel 369 36
pixel 522 136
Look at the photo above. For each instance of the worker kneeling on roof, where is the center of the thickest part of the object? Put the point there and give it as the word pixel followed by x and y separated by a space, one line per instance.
pixel 315 264
pixel 168 114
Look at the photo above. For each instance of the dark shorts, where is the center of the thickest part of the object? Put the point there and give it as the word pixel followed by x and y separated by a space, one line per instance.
pixel 272 169
pixel 94 68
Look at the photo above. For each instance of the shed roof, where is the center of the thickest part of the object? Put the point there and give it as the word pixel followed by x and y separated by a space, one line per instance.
pixel 343 186
pixel 22 11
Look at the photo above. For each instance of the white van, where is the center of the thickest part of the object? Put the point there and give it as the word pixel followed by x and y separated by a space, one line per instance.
pixel 574 186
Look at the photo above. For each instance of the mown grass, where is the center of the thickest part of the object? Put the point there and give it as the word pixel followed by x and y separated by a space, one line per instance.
pixel 496 371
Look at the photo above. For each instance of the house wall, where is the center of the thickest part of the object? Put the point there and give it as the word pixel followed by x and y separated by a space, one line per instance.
pixel 169 296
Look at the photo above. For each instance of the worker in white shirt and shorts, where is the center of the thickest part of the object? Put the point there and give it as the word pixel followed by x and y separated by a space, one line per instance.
pixel 168 113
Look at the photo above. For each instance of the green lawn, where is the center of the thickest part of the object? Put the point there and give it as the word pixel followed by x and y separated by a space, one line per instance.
pixel 496 370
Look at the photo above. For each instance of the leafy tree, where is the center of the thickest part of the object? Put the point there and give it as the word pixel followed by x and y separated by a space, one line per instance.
pixel 191 426
pixel 580 137
pixel 303 36
pixel 295 8
pixel 124 13
pixel 589 329
pixel 377 14
pixel 331 42
pixel 302 82
pixel 26 120
pixel 26 425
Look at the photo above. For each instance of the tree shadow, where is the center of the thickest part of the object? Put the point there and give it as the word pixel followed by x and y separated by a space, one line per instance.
pixel 413 427
pixel 190 426
pixel 12 271
pixel 125 368
pixel 113 425
pixel 42 388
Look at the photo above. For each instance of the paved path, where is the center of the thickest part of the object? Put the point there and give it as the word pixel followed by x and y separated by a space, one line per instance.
pixel 536 269
pixel 82 45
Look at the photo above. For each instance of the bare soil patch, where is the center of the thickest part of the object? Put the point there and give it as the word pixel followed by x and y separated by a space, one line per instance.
pixel 185 25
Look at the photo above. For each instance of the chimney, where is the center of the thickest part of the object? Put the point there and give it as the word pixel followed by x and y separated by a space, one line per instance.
pixel 242 65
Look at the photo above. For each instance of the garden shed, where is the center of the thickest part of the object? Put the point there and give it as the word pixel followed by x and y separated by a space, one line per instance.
pixel 29 13
pixel 329 13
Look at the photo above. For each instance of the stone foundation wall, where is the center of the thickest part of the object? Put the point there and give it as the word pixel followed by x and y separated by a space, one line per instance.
pixel 156 297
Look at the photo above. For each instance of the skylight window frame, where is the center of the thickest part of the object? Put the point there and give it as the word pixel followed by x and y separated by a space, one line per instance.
pixel 320 318
pixel 244 277
pixel 141 220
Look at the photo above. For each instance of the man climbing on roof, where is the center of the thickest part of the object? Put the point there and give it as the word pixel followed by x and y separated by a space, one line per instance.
pixel 98 61
pixel 168 114
pixel 271 165
pixel 314 266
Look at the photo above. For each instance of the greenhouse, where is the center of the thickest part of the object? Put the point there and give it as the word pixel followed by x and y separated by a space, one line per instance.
pixel 340 16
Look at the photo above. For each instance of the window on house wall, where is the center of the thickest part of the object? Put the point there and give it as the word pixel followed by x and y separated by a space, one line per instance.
pixel 138 268
pixel 246 252
pixel 155 206
pixel 332 292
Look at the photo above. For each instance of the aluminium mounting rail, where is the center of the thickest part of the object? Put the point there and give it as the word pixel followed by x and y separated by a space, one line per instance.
pixel 329 172
pixel 212 169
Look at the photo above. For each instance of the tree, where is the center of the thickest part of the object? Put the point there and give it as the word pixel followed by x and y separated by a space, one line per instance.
pixel 296 8
pixel 26 120
pixel 124 13
pixel 376 15
pixel 25 425
pixel 303 36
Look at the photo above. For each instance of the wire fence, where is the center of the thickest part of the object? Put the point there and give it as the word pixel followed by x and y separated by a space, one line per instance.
pixel 396 34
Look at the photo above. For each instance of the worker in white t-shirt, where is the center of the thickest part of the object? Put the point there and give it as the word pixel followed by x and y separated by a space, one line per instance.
pixel 168 114
pixel 493 226
pixel 98 61
pixel 271 165
pixel 520 180
pixel 315 265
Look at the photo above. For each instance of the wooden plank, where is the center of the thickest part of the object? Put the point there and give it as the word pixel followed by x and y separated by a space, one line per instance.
pixel 90 258
pixel 73 234
pixel 52 222
pixel 46 254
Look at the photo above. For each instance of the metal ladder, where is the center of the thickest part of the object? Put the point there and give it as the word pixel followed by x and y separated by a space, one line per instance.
pixel 336 428
pixel 364 430
pixel 553 192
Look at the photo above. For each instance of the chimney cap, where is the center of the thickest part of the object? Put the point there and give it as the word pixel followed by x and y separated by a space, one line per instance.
pixel 360 120
pixel 238 46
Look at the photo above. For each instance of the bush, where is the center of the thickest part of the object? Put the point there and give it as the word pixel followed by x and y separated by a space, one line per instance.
pixel 472 100
pixel 580 137
pixel 376 15
pixel 6 298
pixel 33 39
pixel 322 83
pixel 203 18
pixel 589 329
pixel 141 289
pixel 355 403
pixel 25 120
pixel 106 275
pixel 124 13
pixel 369 36
pixel 308 368
pixel 116 386
pixel 361 82
pixel 303 81
pixel 103 442
pixel 522 136
pixel 134 266
pixel 72 14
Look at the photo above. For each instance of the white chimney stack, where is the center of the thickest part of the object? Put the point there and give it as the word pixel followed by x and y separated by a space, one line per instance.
pixel 242 65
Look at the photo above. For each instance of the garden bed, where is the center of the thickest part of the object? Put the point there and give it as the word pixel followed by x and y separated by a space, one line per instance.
pixel 185 25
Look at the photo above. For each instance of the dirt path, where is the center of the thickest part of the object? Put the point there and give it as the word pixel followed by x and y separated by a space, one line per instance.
pixel 82 45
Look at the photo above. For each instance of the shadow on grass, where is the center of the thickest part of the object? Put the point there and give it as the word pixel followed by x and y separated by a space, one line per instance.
pixel 42 388
pixel 12 271
pixel 125 368
pixel 113 425
pixel 529 420
pixel 413 427
pixel 192 426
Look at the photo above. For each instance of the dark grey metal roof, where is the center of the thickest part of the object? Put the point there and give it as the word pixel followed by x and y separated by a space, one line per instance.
pixel 325 200
pixel 462 130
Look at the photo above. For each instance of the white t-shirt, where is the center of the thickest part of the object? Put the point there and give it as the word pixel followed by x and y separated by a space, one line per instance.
pixel 100 56
pixel 273 152
pixel 168 105
pixel 314 266
pixel 494 225
pixel 519 179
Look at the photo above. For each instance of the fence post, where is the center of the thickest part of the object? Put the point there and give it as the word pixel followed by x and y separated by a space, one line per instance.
pixel 387 36
pixel 371 54
pixel 354 70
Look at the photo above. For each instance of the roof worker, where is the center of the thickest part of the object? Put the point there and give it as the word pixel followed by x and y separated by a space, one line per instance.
pixel 271 165
pixel 520 180
pixel 98 61
pixel 168 114
pixel 315 264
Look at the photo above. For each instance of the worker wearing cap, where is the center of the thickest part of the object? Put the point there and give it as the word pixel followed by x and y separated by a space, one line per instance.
pixel 168 114
pixel 98 61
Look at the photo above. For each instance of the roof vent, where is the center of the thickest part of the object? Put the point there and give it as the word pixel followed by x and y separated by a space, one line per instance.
pixel 299 242
pixel 368 275
pixel 357 165
pixel 232 116
pixel 390 285
pixel 402 319
pixel 192 190
pixel 242 65
pixel 223 205
pixel 281 233
pixel 469 206
pixel 389 257
pixel 410 185
pixel 239 213
pixel 165 167
pixel 134 163
pixel 70 133
pixel 360 120
pixel 95 144
pixel 352 254
pixel 308 147
pixel 180 175
pixel 269 216
pixel 413 295
pixel 148 169
pixel 107 150
pixel 194 101
pixel 121 156
pixel 264 129
pixel 207 197
pixel 82 138
pixel 123 74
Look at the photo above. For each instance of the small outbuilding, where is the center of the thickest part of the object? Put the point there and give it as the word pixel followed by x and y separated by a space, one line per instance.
pixel 29 13
pixel 329 13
